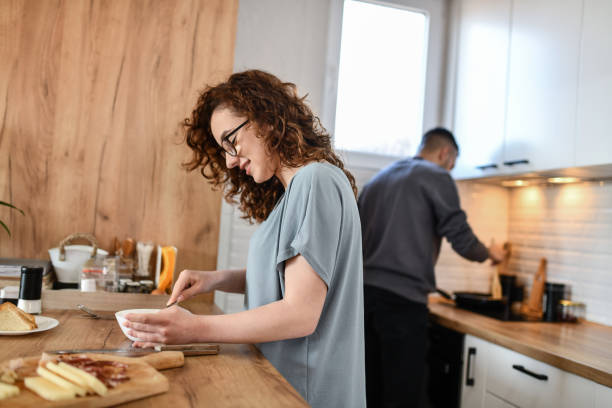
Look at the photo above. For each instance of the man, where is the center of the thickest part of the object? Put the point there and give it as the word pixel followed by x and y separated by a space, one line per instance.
pixel 405 211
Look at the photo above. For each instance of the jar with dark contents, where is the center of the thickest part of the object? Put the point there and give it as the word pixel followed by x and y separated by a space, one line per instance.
pixel 571 311
pixel 147 286
pixel 132 287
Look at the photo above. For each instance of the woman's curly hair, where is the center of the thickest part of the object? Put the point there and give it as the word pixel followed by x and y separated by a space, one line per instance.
pixel 296 135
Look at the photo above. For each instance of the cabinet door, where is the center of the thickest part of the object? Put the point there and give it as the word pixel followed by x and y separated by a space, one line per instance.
pixel 542 84
pixel 480 103
pixel 594 117
pixel 529 383
pixel 603 396
pixel 491 401
pixel 474 373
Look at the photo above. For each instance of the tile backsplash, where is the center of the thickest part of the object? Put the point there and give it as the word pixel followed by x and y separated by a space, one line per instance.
pixel 570 225
pixel 487 210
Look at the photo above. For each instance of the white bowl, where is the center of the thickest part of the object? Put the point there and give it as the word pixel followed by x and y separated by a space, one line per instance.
pixel 120 315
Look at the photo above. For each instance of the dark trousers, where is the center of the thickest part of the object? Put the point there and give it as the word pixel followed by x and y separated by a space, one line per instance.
pixel 396 348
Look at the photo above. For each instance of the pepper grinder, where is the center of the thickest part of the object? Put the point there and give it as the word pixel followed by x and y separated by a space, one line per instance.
pixel 30 289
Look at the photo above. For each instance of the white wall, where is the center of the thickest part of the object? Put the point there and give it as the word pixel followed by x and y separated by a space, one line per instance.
pixel 287 38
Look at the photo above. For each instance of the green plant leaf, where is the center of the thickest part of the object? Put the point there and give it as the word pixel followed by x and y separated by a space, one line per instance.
pixel 12 206
pixel 6 228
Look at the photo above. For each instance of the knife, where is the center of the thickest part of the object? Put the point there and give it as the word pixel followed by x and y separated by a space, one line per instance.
pixel 187 349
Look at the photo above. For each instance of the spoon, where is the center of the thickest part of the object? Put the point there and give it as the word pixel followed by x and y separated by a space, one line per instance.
pixel 93 314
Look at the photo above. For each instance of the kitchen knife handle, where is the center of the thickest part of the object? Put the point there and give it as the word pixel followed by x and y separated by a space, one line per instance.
pixel 541 377
pixel 487 166
pixel 513 162
pixel 469 381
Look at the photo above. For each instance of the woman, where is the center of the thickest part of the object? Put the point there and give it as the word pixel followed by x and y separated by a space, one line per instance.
pixel 254 136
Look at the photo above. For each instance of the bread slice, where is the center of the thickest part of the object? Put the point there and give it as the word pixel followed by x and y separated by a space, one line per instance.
pixel 14 319
pixel 28 316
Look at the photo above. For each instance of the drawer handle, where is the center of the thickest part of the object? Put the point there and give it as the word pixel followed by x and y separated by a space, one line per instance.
pixel 542 377
pixel 487 166
pixel 469 381
pixel 513 162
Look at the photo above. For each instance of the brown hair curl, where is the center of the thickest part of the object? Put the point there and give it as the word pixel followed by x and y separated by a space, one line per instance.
pixel 296 135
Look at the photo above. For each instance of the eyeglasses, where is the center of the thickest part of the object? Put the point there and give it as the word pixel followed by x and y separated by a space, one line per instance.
pixel 227 145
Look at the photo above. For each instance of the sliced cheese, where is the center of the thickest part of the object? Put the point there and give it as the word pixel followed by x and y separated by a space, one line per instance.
pixel 69 375
pixel 56 379
pixel 47 389
pixel 97 385
pixel 7 390
pixel 8 376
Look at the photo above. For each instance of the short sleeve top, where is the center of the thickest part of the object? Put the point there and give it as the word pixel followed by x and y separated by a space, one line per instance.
pixel 317 218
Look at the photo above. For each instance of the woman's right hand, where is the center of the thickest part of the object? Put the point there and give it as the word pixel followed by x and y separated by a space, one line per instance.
pixel 191 283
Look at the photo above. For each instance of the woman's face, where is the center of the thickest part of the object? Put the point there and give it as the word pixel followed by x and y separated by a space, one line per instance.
pixel 251 155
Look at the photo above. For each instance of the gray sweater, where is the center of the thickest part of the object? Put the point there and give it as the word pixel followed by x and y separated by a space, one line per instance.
pixel 405 211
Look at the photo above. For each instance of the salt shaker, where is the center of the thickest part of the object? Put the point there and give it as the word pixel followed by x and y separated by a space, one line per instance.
pixel 30 289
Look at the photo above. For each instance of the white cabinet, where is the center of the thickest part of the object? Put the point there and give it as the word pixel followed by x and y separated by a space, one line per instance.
pixel 494 376
pixel 594 117
pixel 482 61
pixel 533 85
pixel 491 401
pixel 474 373
pixel 542 84
pixel 603 396
pixel 526 382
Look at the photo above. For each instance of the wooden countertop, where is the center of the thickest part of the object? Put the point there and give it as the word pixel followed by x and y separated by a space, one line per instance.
pixel 584 348
pixel 238 376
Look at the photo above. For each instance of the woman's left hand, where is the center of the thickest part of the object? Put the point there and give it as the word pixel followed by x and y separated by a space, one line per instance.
pixel 173 325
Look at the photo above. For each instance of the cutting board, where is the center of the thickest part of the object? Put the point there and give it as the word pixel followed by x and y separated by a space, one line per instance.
pixel 144 381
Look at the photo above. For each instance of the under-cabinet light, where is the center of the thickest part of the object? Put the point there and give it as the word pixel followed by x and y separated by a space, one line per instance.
pixel 514 183
pixel 560 180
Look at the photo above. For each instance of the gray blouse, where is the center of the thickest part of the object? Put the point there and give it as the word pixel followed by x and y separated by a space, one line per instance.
pixel 317 218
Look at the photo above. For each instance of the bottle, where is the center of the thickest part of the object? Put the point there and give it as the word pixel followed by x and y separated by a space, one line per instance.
pixel 30 289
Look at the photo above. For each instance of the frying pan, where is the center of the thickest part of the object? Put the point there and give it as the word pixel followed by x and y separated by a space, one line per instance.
pixel 476 301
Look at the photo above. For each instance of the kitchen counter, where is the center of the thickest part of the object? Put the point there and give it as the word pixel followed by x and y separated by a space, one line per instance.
pixel 584 348
pixel 238 376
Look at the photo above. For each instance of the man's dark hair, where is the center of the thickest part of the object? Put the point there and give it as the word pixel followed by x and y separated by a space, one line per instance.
pixel 436 138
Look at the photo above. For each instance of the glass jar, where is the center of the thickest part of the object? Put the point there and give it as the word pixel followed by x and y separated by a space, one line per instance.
pixel 92 275
pixel 571 311
pixel 133 287
pixel 110 274
pixel 147 286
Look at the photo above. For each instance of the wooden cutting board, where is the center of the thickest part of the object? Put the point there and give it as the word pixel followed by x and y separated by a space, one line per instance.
pixel 144 381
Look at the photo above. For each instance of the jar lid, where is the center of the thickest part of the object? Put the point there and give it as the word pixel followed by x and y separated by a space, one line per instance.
pixel 571 303
pixel 133 283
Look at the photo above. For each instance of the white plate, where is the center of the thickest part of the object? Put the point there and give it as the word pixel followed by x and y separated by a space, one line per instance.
pixel 43 322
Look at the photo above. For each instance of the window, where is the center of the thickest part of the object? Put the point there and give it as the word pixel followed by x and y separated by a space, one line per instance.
pixel 381 79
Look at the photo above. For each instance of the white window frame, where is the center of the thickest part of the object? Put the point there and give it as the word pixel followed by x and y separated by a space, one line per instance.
pixel 435 78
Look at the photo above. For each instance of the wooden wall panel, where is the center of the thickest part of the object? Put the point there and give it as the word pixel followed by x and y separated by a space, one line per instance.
pixel 91 97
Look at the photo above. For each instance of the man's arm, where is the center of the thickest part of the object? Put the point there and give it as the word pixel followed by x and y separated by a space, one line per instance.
pixel 451 220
